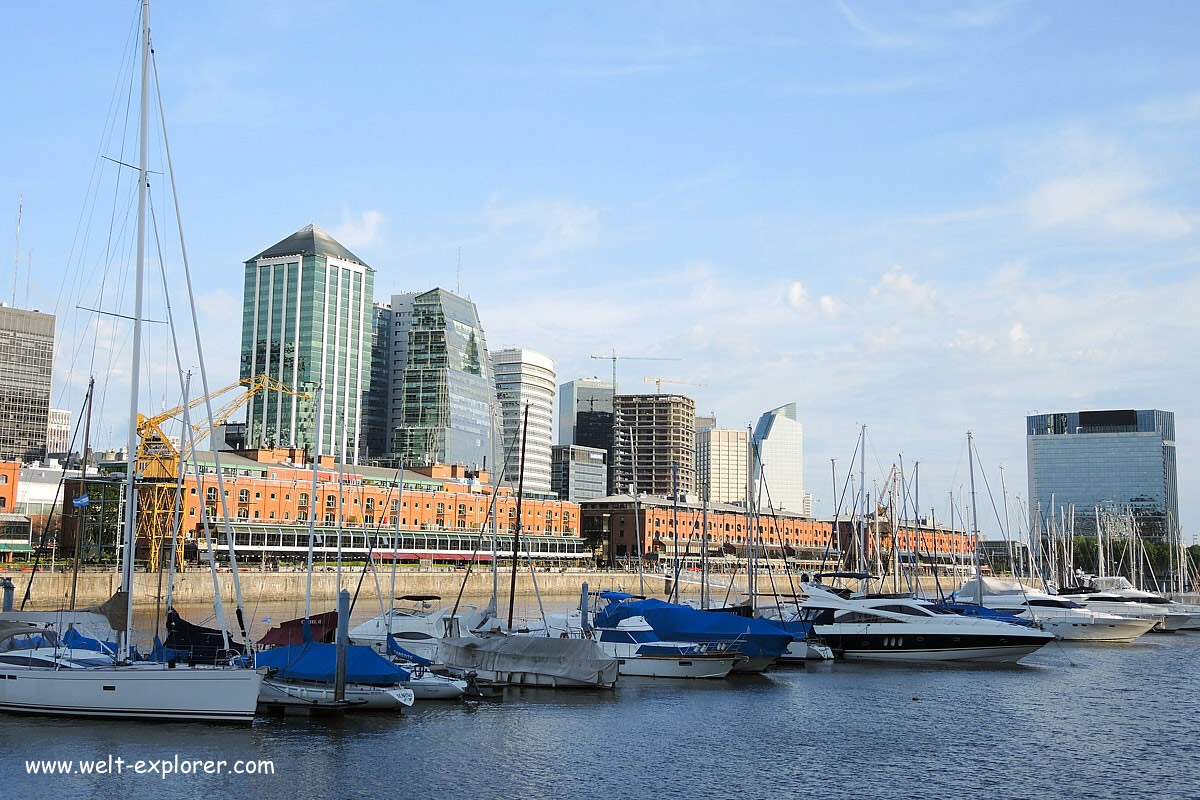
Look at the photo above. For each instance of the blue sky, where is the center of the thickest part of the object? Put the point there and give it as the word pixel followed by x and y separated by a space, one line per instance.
pixel 924 217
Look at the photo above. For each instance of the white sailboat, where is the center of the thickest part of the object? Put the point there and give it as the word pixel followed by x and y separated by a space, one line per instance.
pixel 41 675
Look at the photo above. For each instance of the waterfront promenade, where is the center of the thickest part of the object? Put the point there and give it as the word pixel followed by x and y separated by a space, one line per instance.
pixel 52 589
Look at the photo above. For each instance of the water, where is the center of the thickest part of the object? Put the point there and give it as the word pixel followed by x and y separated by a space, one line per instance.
pixel 1072 721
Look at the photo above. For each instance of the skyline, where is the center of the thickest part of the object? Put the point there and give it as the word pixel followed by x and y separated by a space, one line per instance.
pixel 922 220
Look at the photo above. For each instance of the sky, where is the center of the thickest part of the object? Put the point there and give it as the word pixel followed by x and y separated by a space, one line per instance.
pixel 925 218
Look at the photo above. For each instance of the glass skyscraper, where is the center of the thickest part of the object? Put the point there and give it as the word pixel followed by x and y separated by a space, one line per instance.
pixel 447 396
pixel 525 379
pixel 26 369
pixel 1120 462
pixel 306 321
pixel 779 441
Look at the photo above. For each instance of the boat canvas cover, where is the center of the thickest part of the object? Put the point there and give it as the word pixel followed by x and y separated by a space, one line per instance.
pixel 394 649
pixel 578 660
pixel 322 626
pixel 755 638
pixel 317 661
pixel 991 587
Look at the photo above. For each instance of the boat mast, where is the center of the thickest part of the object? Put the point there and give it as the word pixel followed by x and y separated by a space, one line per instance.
pixel 675 524
pixel 704 552
pixel 87 432
pixel 396 540
pixel 975 521
pixel 130 533
pixel 862 507
pixel 512 587
pixel 312 516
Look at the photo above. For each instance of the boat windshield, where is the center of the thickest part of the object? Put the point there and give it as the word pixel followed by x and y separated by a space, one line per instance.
pixel 28 640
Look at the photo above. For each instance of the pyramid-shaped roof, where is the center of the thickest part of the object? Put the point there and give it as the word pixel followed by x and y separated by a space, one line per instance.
pixel 309 241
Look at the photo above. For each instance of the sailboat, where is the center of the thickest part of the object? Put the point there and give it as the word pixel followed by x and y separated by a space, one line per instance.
pixel 43 675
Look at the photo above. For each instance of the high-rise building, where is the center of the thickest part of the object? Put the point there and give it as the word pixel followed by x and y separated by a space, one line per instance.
pixel 651 433
pixel 525 379
pixel 585 416
pixel 26 372
pixel 402 307
pixel 58 432
pixel 779 451
pixel 722 464
pixel 578 472
pixel 446 407
pixel 1108 462
pixel 376 434
pixel 306 321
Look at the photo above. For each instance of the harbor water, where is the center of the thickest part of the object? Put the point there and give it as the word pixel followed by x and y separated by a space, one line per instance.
pixel 1070 721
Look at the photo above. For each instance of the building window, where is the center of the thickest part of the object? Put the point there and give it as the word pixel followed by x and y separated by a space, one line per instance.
pixel 258 495
pixel 243 513
pixel 329 517
pixel 210 494
pixel 303 498
pixel 331 501
pixel 243 495
pixel 287 515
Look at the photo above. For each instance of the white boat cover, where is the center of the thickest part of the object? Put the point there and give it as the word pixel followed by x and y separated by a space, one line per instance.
pixel 578 660
pixel 993 586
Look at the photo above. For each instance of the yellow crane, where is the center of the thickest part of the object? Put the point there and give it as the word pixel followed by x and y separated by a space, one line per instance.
pixel 158 458
pixel 658 382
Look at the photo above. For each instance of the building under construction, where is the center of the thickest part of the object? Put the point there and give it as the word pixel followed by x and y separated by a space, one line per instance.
pixel 652 432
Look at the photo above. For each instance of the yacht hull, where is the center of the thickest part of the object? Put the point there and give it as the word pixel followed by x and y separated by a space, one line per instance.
pixel 697 666
pixel 358 696
pixel 1116 631
pixel 880 647
pixel 135 691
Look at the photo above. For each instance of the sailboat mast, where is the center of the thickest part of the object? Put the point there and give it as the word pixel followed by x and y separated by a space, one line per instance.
pixel 975 520
pixel 512 588
pixel 87 434
pixel 862 504
pixel 704 552
pixel 130 532
pixel 675 524
pixel 312 516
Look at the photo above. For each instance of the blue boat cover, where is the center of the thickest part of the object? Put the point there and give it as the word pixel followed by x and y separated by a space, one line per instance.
pixel 616 596
pixel 973 610
pixel 77 641
pixel 752 637
pixel 394 649
pixel 317 661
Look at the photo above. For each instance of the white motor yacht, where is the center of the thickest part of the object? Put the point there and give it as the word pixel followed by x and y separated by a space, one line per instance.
pixel 904 629
pixel 1064 618
pixel 639 651
pixel 418 629
pixel 1160 610
pixel 1120 585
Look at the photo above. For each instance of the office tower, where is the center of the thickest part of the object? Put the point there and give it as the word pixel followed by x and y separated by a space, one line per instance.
pixel 525 379
pixel 401 306
pixel 578 472
pixel 58 432
pixel 585 417
pixel 779 445
pixel 446 408
pixel 1120 463
pixel 307 321
pixel 376 434
pixel 651 432
pixel 26 371
pixel 722 464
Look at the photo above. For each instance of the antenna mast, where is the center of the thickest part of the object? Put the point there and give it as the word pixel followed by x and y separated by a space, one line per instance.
pixel 17 253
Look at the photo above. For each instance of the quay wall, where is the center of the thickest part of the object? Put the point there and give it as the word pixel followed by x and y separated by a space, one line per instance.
pixel 52 589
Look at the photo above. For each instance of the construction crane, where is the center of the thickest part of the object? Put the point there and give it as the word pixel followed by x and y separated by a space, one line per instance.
pixel 658 382
pixel 614 358
pixel 158 459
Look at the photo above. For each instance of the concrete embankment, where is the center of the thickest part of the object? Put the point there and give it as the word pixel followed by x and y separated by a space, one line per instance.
pixel 53 589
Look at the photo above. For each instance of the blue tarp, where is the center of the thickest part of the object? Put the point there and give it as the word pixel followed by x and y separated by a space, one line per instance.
pixel 394 649
pixel 317 661
pixel 77 641
pixel 755 638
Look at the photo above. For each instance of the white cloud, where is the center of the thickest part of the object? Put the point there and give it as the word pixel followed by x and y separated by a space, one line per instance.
pixel 898 283
pixel 797 297
pixel 830 307
pixel 362 231
pixel 557 226
pixel 972 342
pixel 1172 110
pixel 1018 337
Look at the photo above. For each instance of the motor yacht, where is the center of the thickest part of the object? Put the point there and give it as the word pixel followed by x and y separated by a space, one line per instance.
pixel 1066 619
pixel 906 629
